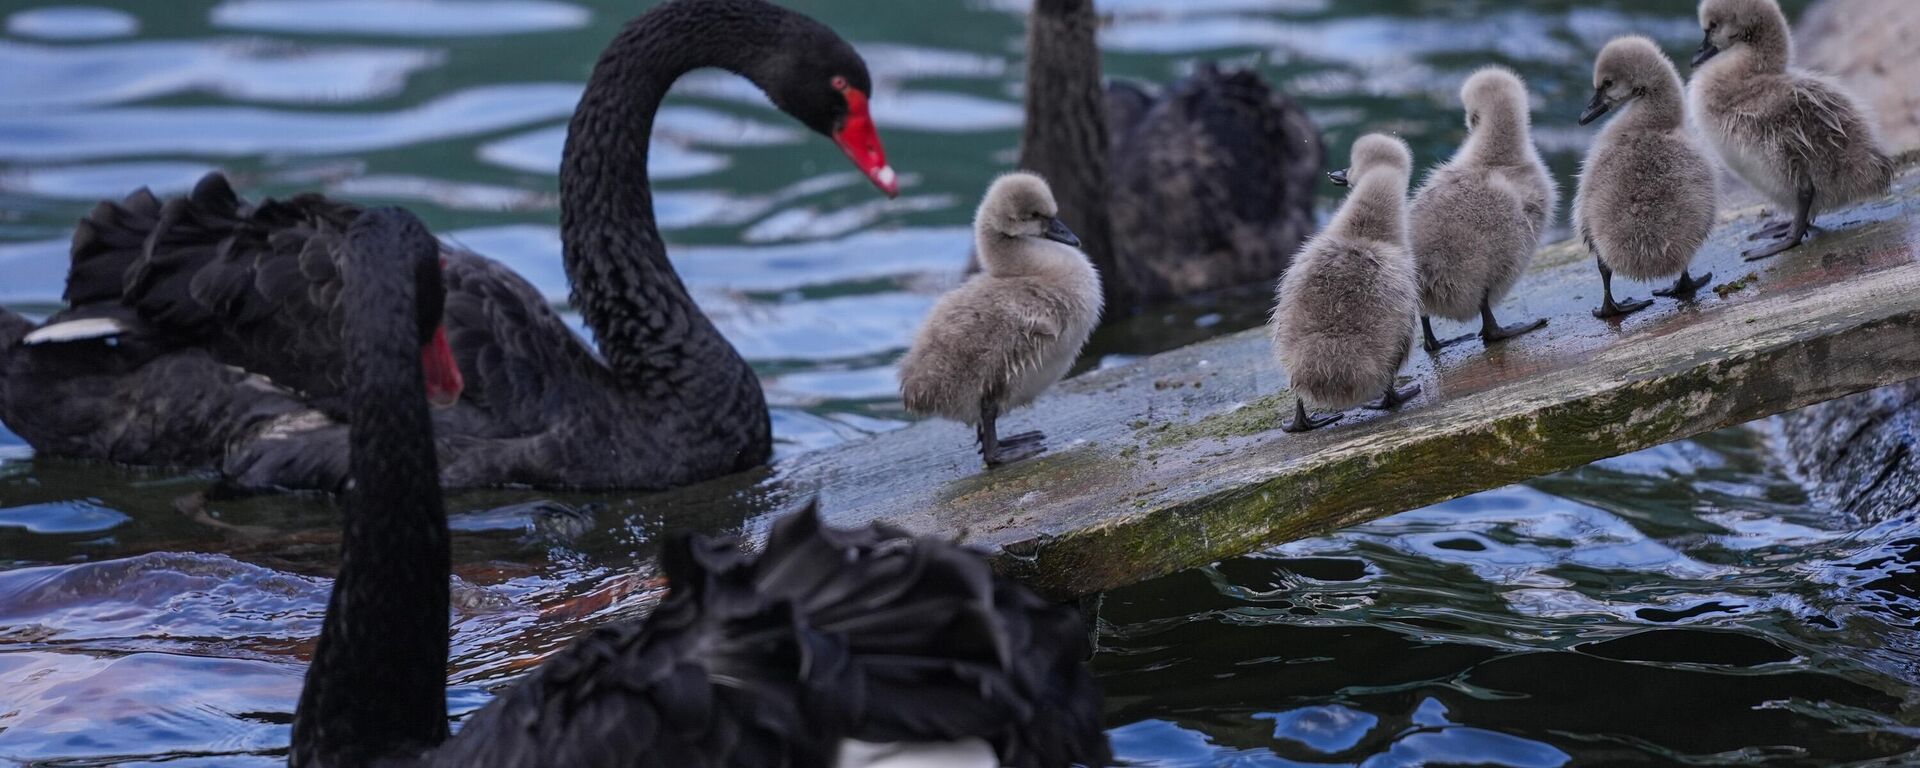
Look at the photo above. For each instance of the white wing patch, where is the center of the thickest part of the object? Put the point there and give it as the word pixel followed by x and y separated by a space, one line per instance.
pixel 965 753
pixel 76 330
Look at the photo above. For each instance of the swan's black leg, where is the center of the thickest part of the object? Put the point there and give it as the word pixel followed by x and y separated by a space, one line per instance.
pixel 1685 286
pixel 1432 343
pixel 1394 398
pixel 1608 307
pixel 1491 331
pixel 995 451
pixel 1802 223
pixel 1301 422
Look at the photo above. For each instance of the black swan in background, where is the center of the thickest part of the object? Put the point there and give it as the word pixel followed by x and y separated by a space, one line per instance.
pixel 1204 188
pixel 910 647
pixel 665 400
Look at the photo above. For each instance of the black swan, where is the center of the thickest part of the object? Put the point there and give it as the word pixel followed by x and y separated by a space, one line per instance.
pixel 892 647
pixel 1207 187
pixel 208 278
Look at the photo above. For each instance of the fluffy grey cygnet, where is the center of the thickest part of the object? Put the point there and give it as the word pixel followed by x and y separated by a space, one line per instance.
pixel 1800 139
pixel 1647 194
pixel 1478 218
pixel 1009 332
pixel 1344 320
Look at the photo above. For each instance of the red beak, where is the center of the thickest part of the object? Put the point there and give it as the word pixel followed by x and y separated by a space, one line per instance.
pixel 443 375
pixel 857 137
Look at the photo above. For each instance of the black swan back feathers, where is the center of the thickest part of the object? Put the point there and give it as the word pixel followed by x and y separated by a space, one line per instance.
pixel 866 634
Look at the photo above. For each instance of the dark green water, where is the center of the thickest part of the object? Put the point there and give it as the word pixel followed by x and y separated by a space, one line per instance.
pixel 1685 605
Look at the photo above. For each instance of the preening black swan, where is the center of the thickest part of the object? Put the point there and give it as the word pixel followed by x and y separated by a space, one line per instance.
pixel 665 400
pixel 909 647
pixel 1204 188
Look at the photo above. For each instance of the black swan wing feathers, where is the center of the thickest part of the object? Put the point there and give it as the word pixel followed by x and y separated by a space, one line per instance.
pixel 257 286
pixel 830 635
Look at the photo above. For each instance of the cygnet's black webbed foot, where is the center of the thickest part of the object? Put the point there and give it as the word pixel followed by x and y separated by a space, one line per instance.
pixel 1394 398
pixel 1492 332
pixel 1499 333
pixel 1610 309
pixel 1432 344
pixel 1301 422
pixel 1685 286
pixel 1773 231
pixel 1007 453
pixel 1023 438
pixel 1784 245
pixel 1796 233
pixel 995 451
pixel 1779 229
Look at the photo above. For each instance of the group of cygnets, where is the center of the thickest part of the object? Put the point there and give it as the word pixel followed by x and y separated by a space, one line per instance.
pixel 1346 312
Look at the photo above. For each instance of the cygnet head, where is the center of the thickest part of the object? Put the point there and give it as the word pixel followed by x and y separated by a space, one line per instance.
pixel 1758 25
pixel 1495 100
pixel 1018 207
pixel 1627 69
pixel 1372 152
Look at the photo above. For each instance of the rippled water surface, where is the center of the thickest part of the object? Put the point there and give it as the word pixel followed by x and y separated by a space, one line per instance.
pixel 1682 605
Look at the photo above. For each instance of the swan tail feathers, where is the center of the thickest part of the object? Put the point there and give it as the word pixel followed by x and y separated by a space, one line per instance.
pixel 207 259
pixel 106 243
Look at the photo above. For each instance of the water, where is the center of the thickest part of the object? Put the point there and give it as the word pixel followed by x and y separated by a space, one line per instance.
pixel 1682 605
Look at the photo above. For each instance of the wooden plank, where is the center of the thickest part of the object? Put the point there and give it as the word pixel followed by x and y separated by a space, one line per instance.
pixel 1177 461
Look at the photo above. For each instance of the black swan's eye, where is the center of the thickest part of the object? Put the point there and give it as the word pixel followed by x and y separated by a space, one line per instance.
pixel 839 83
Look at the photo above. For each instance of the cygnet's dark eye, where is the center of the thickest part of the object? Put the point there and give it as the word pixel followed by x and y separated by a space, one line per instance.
pixel 1607 85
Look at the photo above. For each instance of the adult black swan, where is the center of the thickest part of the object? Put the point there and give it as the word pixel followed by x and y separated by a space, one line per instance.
pixel 1206 187
pixel 832 647
pixel 664 401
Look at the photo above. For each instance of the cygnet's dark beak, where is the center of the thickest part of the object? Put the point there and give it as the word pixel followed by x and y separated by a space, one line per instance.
pixel 1057 231
pixel 1707 50
pixel 1595 108
pixel 1339 177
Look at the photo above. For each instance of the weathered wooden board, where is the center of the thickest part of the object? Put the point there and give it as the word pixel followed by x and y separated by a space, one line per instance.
pixel 1177 460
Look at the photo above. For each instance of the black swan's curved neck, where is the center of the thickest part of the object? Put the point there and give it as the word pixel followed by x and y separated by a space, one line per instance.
pixel 646 323
pixel 377 685
pixel 1066 136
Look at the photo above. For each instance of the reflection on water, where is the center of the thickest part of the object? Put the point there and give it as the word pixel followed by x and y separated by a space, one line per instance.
pixel 1664 607
pixel 1685 604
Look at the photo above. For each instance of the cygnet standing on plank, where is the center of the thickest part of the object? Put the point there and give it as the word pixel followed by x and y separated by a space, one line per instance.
pixel 1010 331
pixel 1344 321
pixel 1800 139
pixel 1647 197
pixel 1479 217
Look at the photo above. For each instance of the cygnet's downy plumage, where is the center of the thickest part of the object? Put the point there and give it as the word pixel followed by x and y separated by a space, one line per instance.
pixel 1647 197
pixel 1000 339
pixel 1344 321
pixel 1800 139
pixel 1478 218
